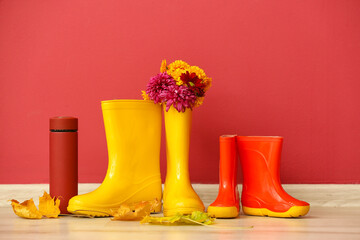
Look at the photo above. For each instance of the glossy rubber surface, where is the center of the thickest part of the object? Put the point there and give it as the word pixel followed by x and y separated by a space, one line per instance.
pixel 133 132
pixel 226 204
pixel 260 163
pixel 179 195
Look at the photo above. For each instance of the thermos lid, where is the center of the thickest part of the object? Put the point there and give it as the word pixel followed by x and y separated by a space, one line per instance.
pixel 63 123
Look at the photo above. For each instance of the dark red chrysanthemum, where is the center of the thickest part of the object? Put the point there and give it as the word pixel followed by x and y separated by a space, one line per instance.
pixel 194 83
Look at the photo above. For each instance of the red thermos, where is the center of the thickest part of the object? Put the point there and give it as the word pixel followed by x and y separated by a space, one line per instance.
pixel 63 159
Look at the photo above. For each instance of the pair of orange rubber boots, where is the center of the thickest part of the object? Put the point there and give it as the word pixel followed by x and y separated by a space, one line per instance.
pixel 262 193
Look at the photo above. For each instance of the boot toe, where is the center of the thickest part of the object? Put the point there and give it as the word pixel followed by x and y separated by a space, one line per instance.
pixel 223 212
pixel 81 205
pixel 183 206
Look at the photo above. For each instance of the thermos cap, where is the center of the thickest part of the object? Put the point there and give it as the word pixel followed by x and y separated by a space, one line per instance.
pixel 63 123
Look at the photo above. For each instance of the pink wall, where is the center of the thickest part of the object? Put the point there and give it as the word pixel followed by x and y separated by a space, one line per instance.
pixel 289 68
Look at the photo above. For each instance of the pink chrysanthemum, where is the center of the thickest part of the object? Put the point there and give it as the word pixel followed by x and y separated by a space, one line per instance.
pixel 157 85
pixel 181 97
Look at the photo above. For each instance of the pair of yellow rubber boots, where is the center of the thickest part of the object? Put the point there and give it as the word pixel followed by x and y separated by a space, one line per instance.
pixel 133 135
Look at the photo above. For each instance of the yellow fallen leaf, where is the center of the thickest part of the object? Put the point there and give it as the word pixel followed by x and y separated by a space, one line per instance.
pixel 49 207
pixel 135 211
pixel 26 209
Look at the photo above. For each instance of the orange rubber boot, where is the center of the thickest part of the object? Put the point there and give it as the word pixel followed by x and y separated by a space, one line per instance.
pixel 262 193
pixel 226 204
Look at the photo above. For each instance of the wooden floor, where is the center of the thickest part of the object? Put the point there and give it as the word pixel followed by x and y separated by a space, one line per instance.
pixel 337 217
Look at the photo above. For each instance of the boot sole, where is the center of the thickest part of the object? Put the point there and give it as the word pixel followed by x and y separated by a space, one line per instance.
pixel 89 212
pixel 184 211
pixel 295 211
pixel 223 212
pixel 106 212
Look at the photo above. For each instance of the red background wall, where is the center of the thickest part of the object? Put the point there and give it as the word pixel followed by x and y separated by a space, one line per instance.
pixel 289 68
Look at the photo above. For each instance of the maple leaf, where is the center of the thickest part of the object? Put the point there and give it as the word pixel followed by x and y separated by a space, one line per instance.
pixel 196 217
pixel 134 211
pixel 26 209
pixel 48 206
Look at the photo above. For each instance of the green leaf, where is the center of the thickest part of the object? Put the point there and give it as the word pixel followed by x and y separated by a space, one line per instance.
pixel 196 217
pixel 200 216
pixel 175 218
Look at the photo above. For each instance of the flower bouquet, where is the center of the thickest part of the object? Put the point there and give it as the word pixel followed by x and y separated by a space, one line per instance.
pixel 179 85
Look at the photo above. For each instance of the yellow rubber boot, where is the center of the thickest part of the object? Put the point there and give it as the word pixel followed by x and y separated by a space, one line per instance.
pixel 133 134
pixel 179 196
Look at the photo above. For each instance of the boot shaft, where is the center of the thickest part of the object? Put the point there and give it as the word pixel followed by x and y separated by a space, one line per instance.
pixel 133 135
pixel 177 129
pixel 228 161
pixel 260 159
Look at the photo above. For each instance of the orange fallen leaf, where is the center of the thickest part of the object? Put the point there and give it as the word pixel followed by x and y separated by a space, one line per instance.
pixel 135 211
pixel 26 209
pixel 49 207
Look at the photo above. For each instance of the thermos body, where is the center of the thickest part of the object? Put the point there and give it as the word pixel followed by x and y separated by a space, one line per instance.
pixel 63 160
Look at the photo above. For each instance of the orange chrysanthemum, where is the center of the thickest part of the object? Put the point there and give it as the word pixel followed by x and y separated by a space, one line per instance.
pixel 163 67
pixel 176 68
pixel 144 95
